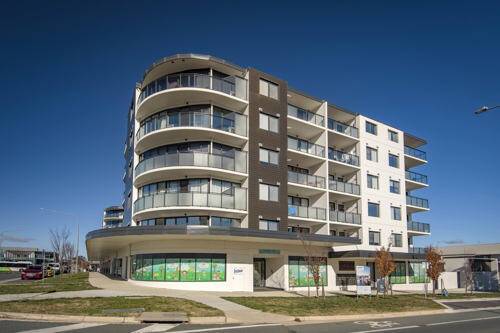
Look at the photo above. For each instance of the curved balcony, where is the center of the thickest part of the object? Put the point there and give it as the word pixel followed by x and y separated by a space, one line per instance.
pixel 230 129
pixel 163 204
pixel 314 213
pixel 179 89
pixel 171 166
pixel 345 217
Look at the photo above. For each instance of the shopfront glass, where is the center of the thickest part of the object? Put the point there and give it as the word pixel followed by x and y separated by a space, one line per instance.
pixel 299 274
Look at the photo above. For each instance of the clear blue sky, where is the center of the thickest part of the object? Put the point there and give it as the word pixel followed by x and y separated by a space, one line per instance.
pixel 68 69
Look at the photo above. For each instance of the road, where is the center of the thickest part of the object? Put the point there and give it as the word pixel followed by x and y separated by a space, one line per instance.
pixel 8 277
pixel 481 321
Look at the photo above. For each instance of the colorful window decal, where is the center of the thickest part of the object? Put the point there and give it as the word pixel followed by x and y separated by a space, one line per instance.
pixel 399 274
pixel 184 267
pixel 418 272
pixel 299 275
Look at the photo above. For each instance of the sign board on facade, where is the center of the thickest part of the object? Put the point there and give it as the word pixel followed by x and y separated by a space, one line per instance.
pixel 269 251
pixel 363 280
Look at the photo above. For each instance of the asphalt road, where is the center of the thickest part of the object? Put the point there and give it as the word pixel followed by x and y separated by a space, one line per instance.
pixel 484 321
pixel 9 276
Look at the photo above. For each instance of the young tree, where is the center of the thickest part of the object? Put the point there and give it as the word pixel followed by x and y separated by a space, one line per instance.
pixel 435 266
pixel 469 276
pixel 385 265
pixel 61 244
pixel 314 261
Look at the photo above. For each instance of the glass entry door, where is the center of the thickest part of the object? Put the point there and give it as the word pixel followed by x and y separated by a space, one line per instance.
pixel 259 272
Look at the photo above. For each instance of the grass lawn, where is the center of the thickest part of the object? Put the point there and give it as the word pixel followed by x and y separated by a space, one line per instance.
pixel 95 306
pixel 336 305
pixel 64 282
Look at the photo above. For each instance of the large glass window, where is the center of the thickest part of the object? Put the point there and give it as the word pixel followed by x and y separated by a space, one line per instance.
pixel 393 161
pixel 418 272
pixel 299 274
pixel 268 156
pixel 372 181
pixel 179 267
pixel 373 209
pixel 372 154
pixel 224 222
pixel 268 192
pixel 268 89
pixel 399 274
pixel 268 123
pixel 374 237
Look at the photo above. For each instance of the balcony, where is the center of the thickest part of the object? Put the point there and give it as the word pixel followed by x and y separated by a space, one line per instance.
pixel 306 147
pixel 347 188
pixel 305 179
pixel 342 128
pixel 167 165
pixel 415 180
pixel 234 124
pixel 414 157
pixel 203 202
pixel 314 213
pixel 417 250
pixel 345 217
pixel 306 116
pixel 419 227
pixel 416 204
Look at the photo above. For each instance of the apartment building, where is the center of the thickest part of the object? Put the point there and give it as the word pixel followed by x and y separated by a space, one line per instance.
pixel 232 178
pixel 112 217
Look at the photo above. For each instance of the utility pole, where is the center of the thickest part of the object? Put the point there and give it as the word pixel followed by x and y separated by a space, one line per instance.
pixel 77 244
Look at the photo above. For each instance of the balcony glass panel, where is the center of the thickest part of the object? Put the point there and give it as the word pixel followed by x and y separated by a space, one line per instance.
pixel 237 200
pixel 345 217
pixel 305 179
pixel 417 202
pixel 307 212
pixel 198 159
pixel 305 115
pixel 419 226
pixel 306 147
pixel 342 128
pixel 416 153
pixel 230 85
pixel 351 188
pixel 343 157
pixel 416 177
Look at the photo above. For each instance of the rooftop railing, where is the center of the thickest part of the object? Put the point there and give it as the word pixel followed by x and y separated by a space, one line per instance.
pixel 307 212
pixel 237 163
pixel 237 200
pixel 345 217
pixel 305 179
pixel 343 128
pixel 305 115
pixel 416 177
pixel 343 157
pixel 335 185
pixel 306 147
pixel 420 154
pixel 419 226
pixel 230 85
pixel 417 202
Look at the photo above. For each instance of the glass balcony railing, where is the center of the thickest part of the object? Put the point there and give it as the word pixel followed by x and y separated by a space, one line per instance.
pixel 237 163
pixel 305 179
pixel 345 217
pixel 113 214
pixel 343 128
pixel 307 212
pixel 230 85
pixel 237 200
pixel 342 157
pixel 416 177
pixel 114 225
pixel 419 226
pixel 305 115
pixel 232 123
pixel 417 202
pixel 416 153
pixel 335 185
pixel 417 250
pixel 306 147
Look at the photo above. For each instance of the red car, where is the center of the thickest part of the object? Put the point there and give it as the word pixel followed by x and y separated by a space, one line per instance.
pixel 34 272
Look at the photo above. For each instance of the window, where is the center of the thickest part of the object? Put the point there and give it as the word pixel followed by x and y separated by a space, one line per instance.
pixel 393 136
pixel 268 156
pixel 298 201
pixel 374 237
pixel 373 209
pixel 396 213
pixel 301 230
pixel 346 266
pixel 269 225
pixel 372 181
pixel 371 128
pixel 224 222
pixel 396 240
pixel 418 272
pixel 372 154
pixel 399 274
pixel 268 123
pixel 268 192
pixel 393 161
pixel 268 89
pixel 394 186
pixel 299 274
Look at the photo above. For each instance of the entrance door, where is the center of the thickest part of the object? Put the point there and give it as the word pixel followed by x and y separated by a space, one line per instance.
pixel 259 272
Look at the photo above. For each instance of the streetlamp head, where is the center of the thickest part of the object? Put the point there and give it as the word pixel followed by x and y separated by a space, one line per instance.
pixel 481 110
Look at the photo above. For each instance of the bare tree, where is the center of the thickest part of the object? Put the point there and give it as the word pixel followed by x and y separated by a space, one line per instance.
pixel 435 266
pixel 385 265
pixel 469 276
pixel 61 244
pixel 314 261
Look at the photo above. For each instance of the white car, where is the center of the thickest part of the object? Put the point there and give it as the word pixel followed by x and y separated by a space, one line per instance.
pixel 55 267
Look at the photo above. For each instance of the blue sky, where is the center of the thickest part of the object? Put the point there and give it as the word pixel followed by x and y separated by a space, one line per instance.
pixel 68 69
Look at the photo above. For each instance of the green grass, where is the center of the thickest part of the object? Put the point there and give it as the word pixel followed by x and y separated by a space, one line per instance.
pixel 336 305
pixel 95 306
pixel 64 282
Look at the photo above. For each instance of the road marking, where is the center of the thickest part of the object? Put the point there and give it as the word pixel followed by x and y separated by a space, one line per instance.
pixel 462 321
pixel 378 324
pixel 63 328
pixel 226 328
pixel 156 328
pixel 387 329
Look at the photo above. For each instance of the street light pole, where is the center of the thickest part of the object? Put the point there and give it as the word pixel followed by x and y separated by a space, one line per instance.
pixel 485 109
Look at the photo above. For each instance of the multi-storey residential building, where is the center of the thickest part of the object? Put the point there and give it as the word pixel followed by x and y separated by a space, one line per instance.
pixel 232 178
pixel 112 217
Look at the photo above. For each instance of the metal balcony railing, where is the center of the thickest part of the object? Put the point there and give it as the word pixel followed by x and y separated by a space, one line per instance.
pixel 343 128
pixel 416 153
pixel 419 226
pixel 345 217
pixel 343 157
pixel 306 147
pixel 416 177
pixel 305 179
pixel 305 115
pixel 417 202
pixel 335 185
pixel 307 212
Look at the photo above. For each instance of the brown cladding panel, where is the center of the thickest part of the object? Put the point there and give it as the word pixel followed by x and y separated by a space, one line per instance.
pixel 276 141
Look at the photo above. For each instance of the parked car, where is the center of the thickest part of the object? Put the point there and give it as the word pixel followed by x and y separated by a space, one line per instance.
pixel 49 272
pixel 55 267
pixel 33 272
